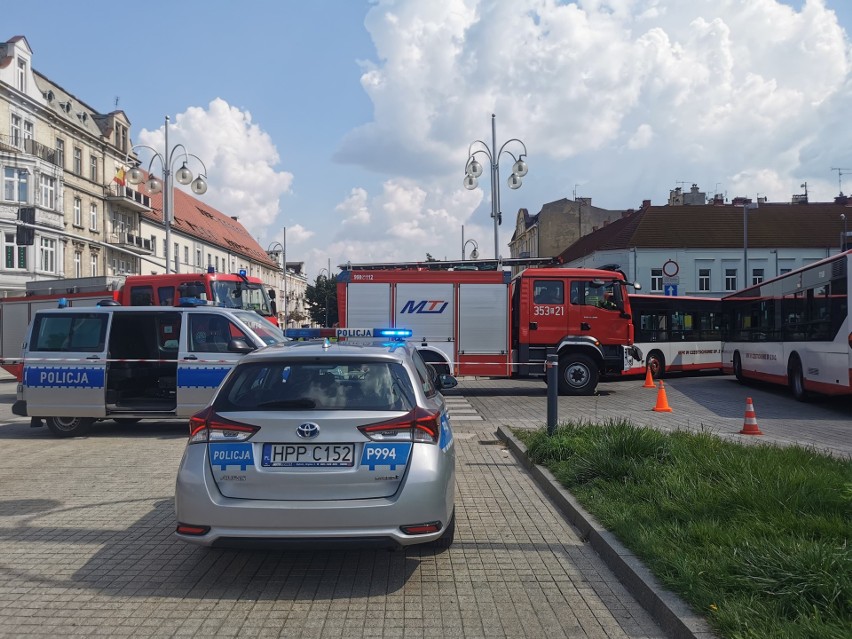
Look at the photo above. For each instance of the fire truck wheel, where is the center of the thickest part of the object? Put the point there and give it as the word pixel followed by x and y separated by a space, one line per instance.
pixel 578 374
pixel 69 426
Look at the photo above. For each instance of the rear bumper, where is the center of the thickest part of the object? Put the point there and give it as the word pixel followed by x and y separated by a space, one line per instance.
pixel 19 408
pixel 425 496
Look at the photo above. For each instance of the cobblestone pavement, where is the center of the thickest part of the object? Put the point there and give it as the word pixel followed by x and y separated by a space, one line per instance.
pixel 86 550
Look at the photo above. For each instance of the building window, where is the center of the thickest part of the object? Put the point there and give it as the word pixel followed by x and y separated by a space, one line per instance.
pixel 28 134
pixel 60 153
pixel 15 131
pixel 198 257
pixel 730 279
pixel 217 263
pixel 22 75
pixel 656 280
pixel 48 191
pixel 15 185
pixel 121 137
pixel 186 255
pixel 78 212
pixel 93 168
pixel 176 257
pixel 784 271
pixel 165 249
pixel 209 260
pixel 93 217
pixel 47 254
pixel 757 275
pixel 704 279
pixel 78 264
pixel 78 161
pixel 93 264
pixel 153 244
pixel 12 251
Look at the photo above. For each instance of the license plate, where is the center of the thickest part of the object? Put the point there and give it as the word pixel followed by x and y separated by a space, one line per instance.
pixel 306 455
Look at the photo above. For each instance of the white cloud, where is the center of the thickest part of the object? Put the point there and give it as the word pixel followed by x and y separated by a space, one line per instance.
pixel 239 156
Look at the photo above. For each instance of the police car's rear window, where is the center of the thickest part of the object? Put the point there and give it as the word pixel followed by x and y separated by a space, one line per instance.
pixel 81 332
pixel 330 385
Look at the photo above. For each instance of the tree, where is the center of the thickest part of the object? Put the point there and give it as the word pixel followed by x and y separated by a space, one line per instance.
pixel 321 301
pixel 429 258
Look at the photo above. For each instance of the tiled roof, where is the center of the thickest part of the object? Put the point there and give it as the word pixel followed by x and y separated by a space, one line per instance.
pixel 771 225
pixel 198 219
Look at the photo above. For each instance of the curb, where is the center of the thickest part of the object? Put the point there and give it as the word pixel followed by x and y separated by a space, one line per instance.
pixel 672 614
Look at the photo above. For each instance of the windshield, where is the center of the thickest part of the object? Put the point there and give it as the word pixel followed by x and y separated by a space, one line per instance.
pixel 238 294
pixel 264 329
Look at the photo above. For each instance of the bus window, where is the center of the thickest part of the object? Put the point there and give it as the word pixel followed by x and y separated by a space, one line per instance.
pixel 166 295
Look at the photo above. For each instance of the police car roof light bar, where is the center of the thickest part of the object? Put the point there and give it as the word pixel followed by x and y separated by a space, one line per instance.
pixel 341 333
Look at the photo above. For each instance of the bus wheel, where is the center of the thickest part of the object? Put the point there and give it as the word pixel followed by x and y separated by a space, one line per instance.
pixel 69 426
pixel 796 379
pixel 578 375
pixel 657 363
pixel 738 368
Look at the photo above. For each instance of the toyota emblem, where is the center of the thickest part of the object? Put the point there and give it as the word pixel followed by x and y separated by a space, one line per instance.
pixel 307 430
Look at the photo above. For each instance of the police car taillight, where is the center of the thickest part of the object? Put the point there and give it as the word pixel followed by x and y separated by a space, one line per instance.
pixel 207 426
pixel 419 425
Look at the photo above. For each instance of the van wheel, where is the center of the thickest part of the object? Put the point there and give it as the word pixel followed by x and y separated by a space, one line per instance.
pixel 446 540
pixel 657 363
pixel 578 375
pixel 796 379
pixel 126 420
pixel 69 426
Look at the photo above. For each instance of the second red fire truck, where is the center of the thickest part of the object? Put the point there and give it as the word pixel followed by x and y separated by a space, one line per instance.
pixel 486 323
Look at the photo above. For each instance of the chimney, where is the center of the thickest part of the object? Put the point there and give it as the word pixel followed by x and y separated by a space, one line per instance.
pixel 646 204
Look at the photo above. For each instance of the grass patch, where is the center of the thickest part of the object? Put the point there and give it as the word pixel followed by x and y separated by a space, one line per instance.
pixel 756 538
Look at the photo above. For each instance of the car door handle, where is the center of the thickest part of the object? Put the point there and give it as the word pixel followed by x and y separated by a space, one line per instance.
pixel 585 326
pixel 190 357
pixel 93 357
pixel 533 326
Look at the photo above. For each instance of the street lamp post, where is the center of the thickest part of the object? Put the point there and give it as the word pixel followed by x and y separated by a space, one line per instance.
pixel 746 208
pixel 283 248
pixel 155 184
pixel 328 277
pixel 473 169
pixel 474 254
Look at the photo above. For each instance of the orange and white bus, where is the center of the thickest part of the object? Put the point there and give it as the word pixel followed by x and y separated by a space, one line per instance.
pixel 676 334
pixel 793 330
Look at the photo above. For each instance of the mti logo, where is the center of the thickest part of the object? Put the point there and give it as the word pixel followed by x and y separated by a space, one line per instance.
pixel 424 306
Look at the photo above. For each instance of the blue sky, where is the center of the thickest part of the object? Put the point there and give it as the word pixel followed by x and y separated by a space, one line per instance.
pixel 348 122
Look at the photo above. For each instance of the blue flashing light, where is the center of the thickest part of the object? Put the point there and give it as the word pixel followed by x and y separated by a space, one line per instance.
pixel 242 272
pixel 302 333
pixel 392 332
pixel 192 301
pixel 62 303
pixel 211 269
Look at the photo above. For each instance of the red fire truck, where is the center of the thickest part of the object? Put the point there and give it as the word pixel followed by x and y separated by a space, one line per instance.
pixel 232 290
pixel 484 322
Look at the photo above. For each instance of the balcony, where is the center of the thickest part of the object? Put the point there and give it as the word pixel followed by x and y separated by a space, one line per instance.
pixel 131 241
pixel 28 146
pixel 127 198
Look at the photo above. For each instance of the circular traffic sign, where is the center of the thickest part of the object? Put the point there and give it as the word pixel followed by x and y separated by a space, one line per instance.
pixel 670 268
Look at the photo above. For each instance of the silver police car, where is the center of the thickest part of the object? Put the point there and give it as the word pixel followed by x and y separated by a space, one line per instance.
pixel 317 442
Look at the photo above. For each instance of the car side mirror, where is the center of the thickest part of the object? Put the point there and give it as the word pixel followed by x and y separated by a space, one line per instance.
pixel 446 381
pixel 239 345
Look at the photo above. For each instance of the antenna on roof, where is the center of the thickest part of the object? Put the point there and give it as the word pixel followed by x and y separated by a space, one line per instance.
pixel 117 98
pixel 840 173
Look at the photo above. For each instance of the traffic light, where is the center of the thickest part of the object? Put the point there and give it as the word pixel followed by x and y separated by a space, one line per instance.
pixel 25 235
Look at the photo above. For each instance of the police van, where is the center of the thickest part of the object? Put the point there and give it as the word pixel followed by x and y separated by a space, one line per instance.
pixel 131 363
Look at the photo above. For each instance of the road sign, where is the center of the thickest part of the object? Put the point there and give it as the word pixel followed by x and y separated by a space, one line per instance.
pixel 671 290
pixel 674 279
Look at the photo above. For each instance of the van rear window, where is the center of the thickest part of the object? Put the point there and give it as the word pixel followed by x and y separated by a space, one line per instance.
pixel 81 332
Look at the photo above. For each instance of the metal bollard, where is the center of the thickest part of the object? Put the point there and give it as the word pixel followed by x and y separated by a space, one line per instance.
pixel 552 371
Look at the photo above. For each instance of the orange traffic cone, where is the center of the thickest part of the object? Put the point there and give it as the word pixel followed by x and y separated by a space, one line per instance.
pixel 649 379
pixel 662 403
pixel 750 423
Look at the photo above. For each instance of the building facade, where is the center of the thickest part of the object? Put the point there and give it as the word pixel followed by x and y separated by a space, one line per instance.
pixel 67 161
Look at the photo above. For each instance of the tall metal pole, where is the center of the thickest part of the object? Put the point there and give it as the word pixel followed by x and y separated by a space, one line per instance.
pixel 284 262
pixel 167 204
pixel 495 185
